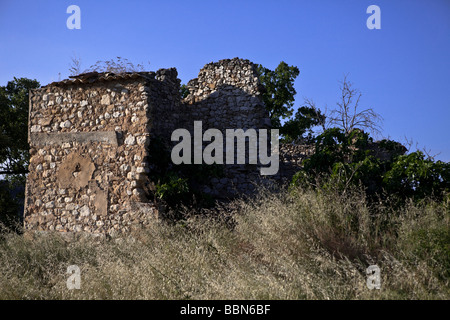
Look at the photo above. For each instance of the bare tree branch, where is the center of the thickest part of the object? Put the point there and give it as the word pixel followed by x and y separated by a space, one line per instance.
pixel 347 115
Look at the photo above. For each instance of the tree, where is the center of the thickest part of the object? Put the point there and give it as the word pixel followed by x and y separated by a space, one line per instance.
pixel 414 175
pixel 278 97
pixel 279 93
pixel 14 148
pixel 14 125
pixel 343 160
pixel 348 115
pixel 304 120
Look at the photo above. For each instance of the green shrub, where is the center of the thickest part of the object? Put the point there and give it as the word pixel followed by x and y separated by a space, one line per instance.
pixel 347 159
pixel 173 187
pixel 415 176
pixel 177 186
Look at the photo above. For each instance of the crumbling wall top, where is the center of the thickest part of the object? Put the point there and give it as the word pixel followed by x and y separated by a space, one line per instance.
pixel 236 72
pixel 94 77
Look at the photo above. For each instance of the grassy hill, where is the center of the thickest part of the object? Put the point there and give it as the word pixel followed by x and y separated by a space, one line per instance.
pixel 297 244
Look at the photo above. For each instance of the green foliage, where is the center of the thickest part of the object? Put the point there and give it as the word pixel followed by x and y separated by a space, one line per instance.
pixel 177 186
pixel 9 206
pixel 432 245
pixel 184 91
pixel 342 160
pixel 334 146
pixel 168 186
pixel 279 91
pixel 173 187
pixel 14 125
pixel 278 97
pixel 305 118
pixel 413 175
pixel 14 148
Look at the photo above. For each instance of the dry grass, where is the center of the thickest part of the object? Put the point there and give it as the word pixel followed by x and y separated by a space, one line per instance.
pixel 300 244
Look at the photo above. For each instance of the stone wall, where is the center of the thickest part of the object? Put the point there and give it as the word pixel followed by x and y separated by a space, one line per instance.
pixel 90 137
pixel 164 100
pixel 226 95
pixel 291 157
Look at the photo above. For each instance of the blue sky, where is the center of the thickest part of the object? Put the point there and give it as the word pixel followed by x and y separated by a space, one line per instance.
pixel 402 70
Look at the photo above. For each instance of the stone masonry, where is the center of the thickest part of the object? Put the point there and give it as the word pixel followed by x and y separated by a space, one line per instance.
pixel 89 142
pixel 226 95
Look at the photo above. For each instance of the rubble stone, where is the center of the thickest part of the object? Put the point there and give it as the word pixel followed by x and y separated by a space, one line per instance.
pixel 90 135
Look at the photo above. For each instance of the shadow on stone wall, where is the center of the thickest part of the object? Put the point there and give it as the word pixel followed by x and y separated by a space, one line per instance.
pixel 231 107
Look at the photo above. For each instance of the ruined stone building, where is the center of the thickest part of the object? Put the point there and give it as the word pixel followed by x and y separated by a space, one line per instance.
pixel 89 142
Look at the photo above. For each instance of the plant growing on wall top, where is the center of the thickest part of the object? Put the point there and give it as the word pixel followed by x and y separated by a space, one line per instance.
pixel 115 65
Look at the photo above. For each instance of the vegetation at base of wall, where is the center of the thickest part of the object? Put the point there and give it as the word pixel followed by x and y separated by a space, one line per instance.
pixel 178 186
pixel 297 244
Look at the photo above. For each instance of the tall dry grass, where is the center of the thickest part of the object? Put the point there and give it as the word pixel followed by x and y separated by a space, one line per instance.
pixel 297 244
